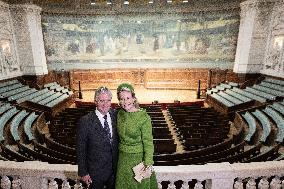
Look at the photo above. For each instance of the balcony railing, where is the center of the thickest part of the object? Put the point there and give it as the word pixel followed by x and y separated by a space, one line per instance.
pixel 41 175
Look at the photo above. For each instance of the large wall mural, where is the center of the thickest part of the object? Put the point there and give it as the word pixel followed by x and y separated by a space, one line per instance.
pixel 192 37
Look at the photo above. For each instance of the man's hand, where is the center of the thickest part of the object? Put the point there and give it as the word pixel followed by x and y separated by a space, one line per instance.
pixel 86 179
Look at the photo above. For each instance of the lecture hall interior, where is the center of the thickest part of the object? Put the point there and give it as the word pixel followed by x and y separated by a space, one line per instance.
pixel 209 73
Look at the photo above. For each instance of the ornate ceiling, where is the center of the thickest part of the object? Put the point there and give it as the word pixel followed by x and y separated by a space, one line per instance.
pixel 129 6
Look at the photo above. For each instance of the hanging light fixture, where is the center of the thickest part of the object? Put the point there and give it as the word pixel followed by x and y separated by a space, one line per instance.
pixel 93 2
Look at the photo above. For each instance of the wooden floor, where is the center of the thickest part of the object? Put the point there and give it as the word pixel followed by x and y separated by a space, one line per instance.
pixel 149 95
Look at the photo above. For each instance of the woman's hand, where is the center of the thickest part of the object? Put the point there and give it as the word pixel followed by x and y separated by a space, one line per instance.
pixel 86 179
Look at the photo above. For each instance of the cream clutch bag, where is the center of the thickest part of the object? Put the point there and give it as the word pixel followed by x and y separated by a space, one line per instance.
pixel 141 173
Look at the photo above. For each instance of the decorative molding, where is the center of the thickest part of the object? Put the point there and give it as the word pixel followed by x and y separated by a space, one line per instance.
pixel 4 6
pixel 26 7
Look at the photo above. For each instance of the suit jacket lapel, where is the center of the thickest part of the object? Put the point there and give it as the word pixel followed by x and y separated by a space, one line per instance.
pixel 96 124
pixel 99 127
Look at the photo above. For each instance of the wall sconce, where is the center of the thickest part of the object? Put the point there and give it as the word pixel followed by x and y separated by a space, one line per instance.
pixel 5 46
pixel 278 42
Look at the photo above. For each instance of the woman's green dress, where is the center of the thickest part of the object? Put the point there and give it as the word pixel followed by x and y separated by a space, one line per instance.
pixel 135 146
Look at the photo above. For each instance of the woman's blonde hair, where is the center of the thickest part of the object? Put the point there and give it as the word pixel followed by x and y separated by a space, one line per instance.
pixel 127 87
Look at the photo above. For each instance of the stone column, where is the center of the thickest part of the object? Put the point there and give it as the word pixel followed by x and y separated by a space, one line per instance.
pixel 253 34
pixel 29 38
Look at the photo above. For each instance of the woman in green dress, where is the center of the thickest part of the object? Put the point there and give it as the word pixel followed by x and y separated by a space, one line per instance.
pixel 135 141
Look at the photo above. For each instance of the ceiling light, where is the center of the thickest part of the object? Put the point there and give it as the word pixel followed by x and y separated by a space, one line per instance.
pixel 185 1
pixel 109 2
pixel 169 1
pixel 93 2
pixel 126 2
pixel 151 1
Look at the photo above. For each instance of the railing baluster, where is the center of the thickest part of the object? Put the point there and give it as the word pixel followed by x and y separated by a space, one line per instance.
pixel 160 180
pixel 239 184
pixel 275 183
pixel 52 184
pixel 78 185
pixel 263 183
pixel 5 182
pixel 16 183
pixel 172 185
pixel 66 185
pixel 198 185
pixel 44 183
pixel 185 185
pixel 251 184
pixel 160 185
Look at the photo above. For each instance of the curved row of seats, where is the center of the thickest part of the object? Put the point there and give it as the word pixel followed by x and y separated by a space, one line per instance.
pixel 19 136
pixel 50 95
pixel 232 99
pixel 23 140
pixel 199 127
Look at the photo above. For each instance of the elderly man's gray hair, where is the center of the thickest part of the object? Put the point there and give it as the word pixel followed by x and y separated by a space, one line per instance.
pixel 101 90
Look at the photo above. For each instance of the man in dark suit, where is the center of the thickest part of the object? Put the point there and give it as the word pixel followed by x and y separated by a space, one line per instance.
pixel 97 143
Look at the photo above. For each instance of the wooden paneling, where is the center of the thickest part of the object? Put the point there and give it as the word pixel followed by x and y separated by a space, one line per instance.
pixel 149 78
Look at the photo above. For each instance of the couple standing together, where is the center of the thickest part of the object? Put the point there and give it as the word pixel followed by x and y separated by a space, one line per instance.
pixel 110 144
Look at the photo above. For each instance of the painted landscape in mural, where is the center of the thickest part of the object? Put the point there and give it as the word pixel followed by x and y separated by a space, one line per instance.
pixel 175 37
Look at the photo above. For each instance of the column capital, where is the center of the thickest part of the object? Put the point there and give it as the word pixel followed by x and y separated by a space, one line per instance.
pixel 4 6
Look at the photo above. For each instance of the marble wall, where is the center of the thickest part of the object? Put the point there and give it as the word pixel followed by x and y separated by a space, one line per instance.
pixel 21 41
pixel 9 62
pixel 261 38
pixel 274 56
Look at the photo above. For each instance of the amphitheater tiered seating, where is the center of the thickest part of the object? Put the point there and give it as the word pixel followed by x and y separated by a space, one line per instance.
pixel 4 118
pixel 268 153
pixel 265 123
pixel 11 87
pixel 277 106
pixel 274 81
pixel 230 98
pixel 28 126
pixel 273 86
pixel 31 96
pixel 237 95
pixel 7 83
pixel 11 153
pixel 279 120
pixel 21 94
pixel 198 127
pixel 268 90
pixel 260 93
pixel 15 123
pixel 251 125
pixel 18 89
pixel 5 107
pixel 249 95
